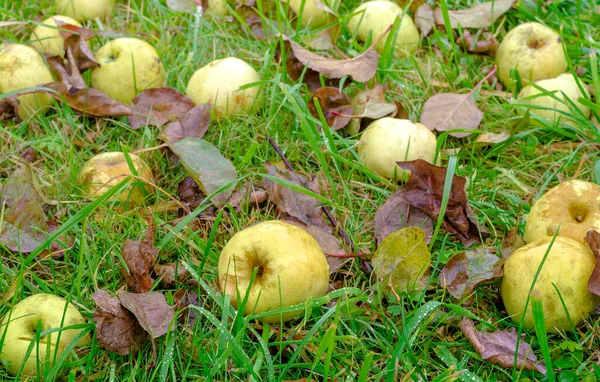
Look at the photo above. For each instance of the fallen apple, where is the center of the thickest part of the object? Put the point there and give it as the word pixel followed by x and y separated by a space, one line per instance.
pixel 218 8
pixel 219 83
pixel 312 13
pixel 389 140
pixel 533 50
pixel 19 328
pixel 561 282
pixel 289 264
pixel 46 36
pixel 82 10
pixel 22 67
pixel 571 208
pixel 564 87
pixel 106 170
pixel 375 17
pixel 128 66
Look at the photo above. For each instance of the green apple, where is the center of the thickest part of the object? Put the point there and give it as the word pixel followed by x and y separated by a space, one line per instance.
pixel 561 283
pixel 314 12
pixel 289 264
pixel 128 66
pixel 389 140
pixel 18 330
pixel 532 49
pixel 82 10
pixel 375 17
pixel 571 208
pixel 562 87
pixel 217 8
pixel 46 36
pixel 219 83
pixel 22 67
pixel 104 171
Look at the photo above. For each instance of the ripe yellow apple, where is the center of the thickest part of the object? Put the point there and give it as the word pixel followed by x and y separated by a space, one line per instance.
pixel 389 140
pixel 314 13
pixel 534 50
pixel 565 85
pixel 23 67
pixel 106 170
pixel 217 8
pixel 46 36
pixel 374 17
pixel 82 10
pixel 574 205
pixel 219 83
pixel 128 66
pixel 18 330
pixel 567 269
pixel 290 265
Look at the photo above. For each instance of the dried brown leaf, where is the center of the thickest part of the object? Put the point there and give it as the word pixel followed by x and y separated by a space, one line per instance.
pixel 9 108
pixel 157 106
pixel 592 238
pixel 89 101
pixel 397 213
pixel 512 242
pixel 193 125
pixel 493 137
pixel 486 43
pixel 183 299
pixel 424 19
pixel 297 70
pixel 449 111
pixel 166 272
pixel 478 16
pixel 466 270
pixel 334 104
pixel 151 310
pixel 139 256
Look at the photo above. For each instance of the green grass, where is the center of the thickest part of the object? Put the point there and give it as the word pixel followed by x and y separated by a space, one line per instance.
pixel 354 333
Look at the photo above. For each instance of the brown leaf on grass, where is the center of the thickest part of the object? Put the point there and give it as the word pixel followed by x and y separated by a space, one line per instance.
pixel 247 196
pixel 424 19
pixel 466 270
pixel 512 242
pixel 397 213
pixel 449 111
pixel 139 256
pixel 296 70
pixel 500 347
pixel 151 310
pixel 117 329
pixel 334 104
pixel 592 238
pixel 157 106
pixel 183 299
pixel 370 104
pixel 166 272
pixel 193 125
pixel 424 190
pixel 486 43
pixel 479 16
pixel 9 108
pixel 82 53
pixel 89 101
pixel 493 137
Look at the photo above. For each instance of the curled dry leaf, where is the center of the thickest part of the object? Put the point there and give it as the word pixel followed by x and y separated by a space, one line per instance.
pixel 183 299
pixel 89 101
pixel 247 196
pixel 370 104
pixel 157 106
pixel 9 108
pixel 193 125
pixel 139 256
pixel 486 43
pixel 150 309
pixel 500 347
pixel 334 104
pixel 424 19
pixel 396 213
pixel 466 270
pixel 592 238
pixel 167 273
pixel 449 111
pixel 297 70
pixel 479 16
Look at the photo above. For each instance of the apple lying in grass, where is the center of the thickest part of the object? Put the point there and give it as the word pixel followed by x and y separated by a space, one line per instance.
pixel 565 88
pixel 106 170
pixel 572 208
pixel 533 50
pixel 390 140
pixel 82 10
pixel 375 17
pixel 19 328
pixel 289 264
pixel 46 36
pixel 561 283
pixel 219 83
pixel 311 13
pixel 128 66
pixel 22 67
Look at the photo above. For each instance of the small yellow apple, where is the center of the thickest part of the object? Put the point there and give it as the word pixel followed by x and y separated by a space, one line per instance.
pixel 314 12
pixel 218 8
pixel 290 268
pixel 375 17
pixel 532 49
pixel 82 10
pixel 389 140
pixel 566 270
pixel 19 326
pixel 106 170
pixel 573 205
pixel 46 36
pixel 219 83
pixel 23 67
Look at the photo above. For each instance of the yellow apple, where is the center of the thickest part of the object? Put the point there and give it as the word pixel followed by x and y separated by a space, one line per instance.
pixel 128 66
pixel 219 83
pixel 18 330
pixel 566 270
pixel 217 8
pixel 565 85
pixel 573 205
pixel 375 17
pixel 532 49
pixel 82 10
pixel 23 67
pixel 106 170
pixel 290 268
pixel 389 140
pixel 46 36
pixel 314 12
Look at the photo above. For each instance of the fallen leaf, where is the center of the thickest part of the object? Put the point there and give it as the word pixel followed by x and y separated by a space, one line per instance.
pixel 151 310
pixel 486 43
pixel 592 238
pixel 369 104
pixel 157 106
pixel 466 270
pixel 139 256
pixel 402 261
pixel 89 101
pixel 193 125
pixel 247 196
pixel 493 137
pixel 9 108
pixel 207 166
pixel 396 213
pixel 449 111
pixel 81 51
pixel 117 330
pixel 319 41
pixel 334 104
pixel 500 347
pixel 479 16
pixel 424 19
pixel 512 242
pixel 183 299
pixel 166 273
pixel 297 70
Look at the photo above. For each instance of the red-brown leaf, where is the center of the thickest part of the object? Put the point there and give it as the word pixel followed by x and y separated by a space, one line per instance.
pixel 193 125
pixel 166 272
pixel 151 310
pixel 89 101
pixel 139 256
pixel 397 213
pixel 464 271
pixel 334 104
pixel 592 238
pixel 157 106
